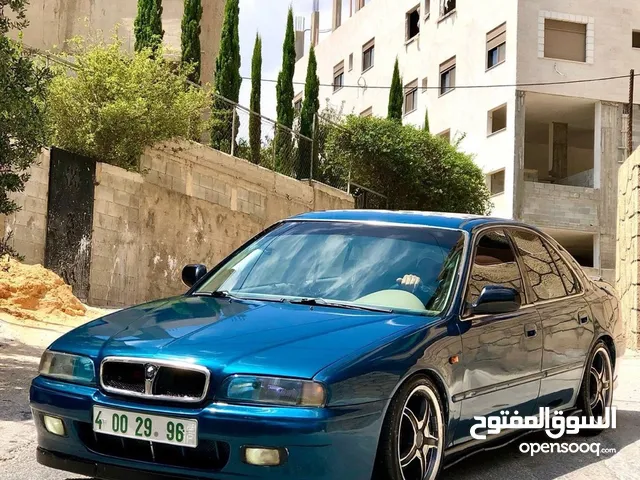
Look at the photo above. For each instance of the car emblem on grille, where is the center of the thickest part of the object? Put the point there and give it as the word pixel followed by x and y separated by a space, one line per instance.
pixel 150 372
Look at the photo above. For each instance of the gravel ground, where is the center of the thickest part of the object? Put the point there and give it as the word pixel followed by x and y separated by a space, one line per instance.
pixel 19 362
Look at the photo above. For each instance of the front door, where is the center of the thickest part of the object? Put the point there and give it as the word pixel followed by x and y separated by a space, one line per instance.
pixel 502 354
pixel 566 318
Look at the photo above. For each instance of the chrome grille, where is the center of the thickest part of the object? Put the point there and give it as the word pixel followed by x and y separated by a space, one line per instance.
pixel 154 379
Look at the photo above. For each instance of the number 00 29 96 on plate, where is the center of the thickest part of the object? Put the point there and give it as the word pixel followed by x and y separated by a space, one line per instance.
pixel 155 428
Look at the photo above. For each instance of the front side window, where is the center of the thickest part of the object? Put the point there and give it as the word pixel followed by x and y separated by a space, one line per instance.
pixel 354 264
pixel 494 263
pixel 541 270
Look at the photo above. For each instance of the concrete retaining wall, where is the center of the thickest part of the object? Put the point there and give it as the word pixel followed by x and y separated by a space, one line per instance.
pixel 192 204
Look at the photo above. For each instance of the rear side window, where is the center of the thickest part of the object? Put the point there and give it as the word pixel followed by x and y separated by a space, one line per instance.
pixel 494 263
pixel 570 281
pixel 541 270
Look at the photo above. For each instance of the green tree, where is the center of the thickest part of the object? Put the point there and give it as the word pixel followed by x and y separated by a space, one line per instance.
pixel 116 104
pixel 416 170
pixel 227 80
pixel 255 122
pixel 147 26
pixel 23 132
pixel 310 107
pixel 284 97
pixel 426 121
pixel 190 40
pixel 396 95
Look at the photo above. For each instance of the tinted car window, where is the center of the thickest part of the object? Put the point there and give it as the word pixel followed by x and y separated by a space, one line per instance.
pixel 494 263
pixel 540 267
pixel 568 278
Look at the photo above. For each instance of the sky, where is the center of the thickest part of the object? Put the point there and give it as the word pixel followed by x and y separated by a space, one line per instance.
pixel 271 23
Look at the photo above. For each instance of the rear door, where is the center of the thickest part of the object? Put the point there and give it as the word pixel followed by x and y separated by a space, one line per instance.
pixel 566 318
pixel 502 354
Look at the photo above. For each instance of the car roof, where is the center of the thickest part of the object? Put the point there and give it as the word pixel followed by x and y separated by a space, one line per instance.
pixel 427 219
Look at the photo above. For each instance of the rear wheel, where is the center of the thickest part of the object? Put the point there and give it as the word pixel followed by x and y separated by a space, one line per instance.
pixel 596 392
pixel 412 439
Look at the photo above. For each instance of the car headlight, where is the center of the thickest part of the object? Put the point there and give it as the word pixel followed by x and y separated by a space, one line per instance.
pixel 64 366
pixel 273 391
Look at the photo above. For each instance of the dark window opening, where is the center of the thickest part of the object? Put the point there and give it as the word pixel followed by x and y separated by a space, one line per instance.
pixel 413 23
pixel 448 6
pixel 496 182
pixel 636 39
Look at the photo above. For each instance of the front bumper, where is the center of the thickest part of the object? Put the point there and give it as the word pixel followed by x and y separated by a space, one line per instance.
pixel 321 443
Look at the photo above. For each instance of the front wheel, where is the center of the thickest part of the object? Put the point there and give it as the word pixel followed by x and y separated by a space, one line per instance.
pixel 596 391
pixel 412 438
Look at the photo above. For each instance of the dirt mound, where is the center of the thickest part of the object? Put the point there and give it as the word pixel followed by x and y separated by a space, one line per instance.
pixel 35 293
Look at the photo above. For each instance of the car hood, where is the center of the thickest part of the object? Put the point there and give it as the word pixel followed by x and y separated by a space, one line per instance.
pixel 231 337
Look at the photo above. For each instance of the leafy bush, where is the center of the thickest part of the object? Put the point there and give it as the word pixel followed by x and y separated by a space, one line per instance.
pixel 116 104
pixel 416 170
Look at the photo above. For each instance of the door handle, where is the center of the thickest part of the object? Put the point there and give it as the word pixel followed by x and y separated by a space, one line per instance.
pixel 530 330
pixel 583 318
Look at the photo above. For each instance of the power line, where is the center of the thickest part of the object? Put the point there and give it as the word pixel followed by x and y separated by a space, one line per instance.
pixel 505 85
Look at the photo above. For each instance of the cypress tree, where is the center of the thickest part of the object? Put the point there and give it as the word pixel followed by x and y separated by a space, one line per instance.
pixel 255 124
pixel 426 121
pixel 284 96
pixel 147 26
pixel 396 95
pixel 227 79
pixel 310 107
pixel 190 40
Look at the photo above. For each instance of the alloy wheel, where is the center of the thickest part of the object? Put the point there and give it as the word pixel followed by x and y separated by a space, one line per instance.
pixel 420 435
pixel 600 382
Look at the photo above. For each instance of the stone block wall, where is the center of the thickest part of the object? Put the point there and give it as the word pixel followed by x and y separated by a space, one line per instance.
pixel 29 224
pixel 627 243
pixel 561 206
pixel 191 204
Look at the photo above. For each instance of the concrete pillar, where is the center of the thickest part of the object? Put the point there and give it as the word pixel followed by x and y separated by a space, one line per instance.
pixel 315 28
pixel 518 161
pixel 560 150
pixel 211 26
pixel 337 14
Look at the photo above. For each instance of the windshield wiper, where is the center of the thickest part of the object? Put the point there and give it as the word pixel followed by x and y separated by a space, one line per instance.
pixel 230 296
pixel 328 303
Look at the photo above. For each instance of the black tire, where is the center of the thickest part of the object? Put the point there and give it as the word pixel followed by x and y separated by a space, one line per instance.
pixel 596 391
pixel 426 453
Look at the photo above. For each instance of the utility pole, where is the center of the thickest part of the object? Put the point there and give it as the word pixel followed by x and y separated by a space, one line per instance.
pixel 630 118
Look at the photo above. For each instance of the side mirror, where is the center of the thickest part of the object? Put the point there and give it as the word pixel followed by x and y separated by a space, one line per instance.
pixel 192 273
pixel 495 299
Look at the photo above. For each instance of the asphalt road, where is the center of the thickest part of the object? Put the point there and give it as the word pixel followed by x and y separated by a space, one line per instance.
pixel 19 362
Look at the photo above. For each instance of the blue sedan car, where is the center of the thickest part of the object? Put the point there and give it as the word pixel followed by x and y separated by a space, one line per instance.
pixel 334 345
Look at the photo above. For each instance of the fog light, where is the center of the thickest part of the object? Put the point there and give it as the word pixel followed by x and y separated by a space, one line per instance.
pixel 54 425
pixel 265 457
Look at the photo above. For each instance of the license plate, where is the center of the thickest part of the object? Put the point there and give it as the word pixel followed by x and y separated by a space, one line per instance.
pixel 141 426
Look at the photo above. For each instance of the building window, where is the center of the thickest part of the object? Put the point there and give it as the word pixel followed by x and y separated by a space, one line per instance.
pixel 410 97
pixel 448 76
pixel 446 135
pixel 350 61
pixel 297 102
pixel 338 76
pixel 496 182
pixel 636 39
pixel 367 113
pixel 497 120
pixel 427 10
pixel 496 46
pixel 565 40
pixel 368 51
pixel 447 7
pixel 413 23
pixel 425 84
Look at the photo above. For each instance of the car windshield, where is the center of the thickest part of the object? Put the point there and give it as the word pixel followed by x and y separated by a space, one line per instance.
pixel 343 264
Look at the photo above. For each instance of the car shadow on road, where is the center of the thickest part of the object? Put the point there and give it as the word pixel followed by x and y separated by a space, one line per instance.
pixel 509 462
pixel 18 365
